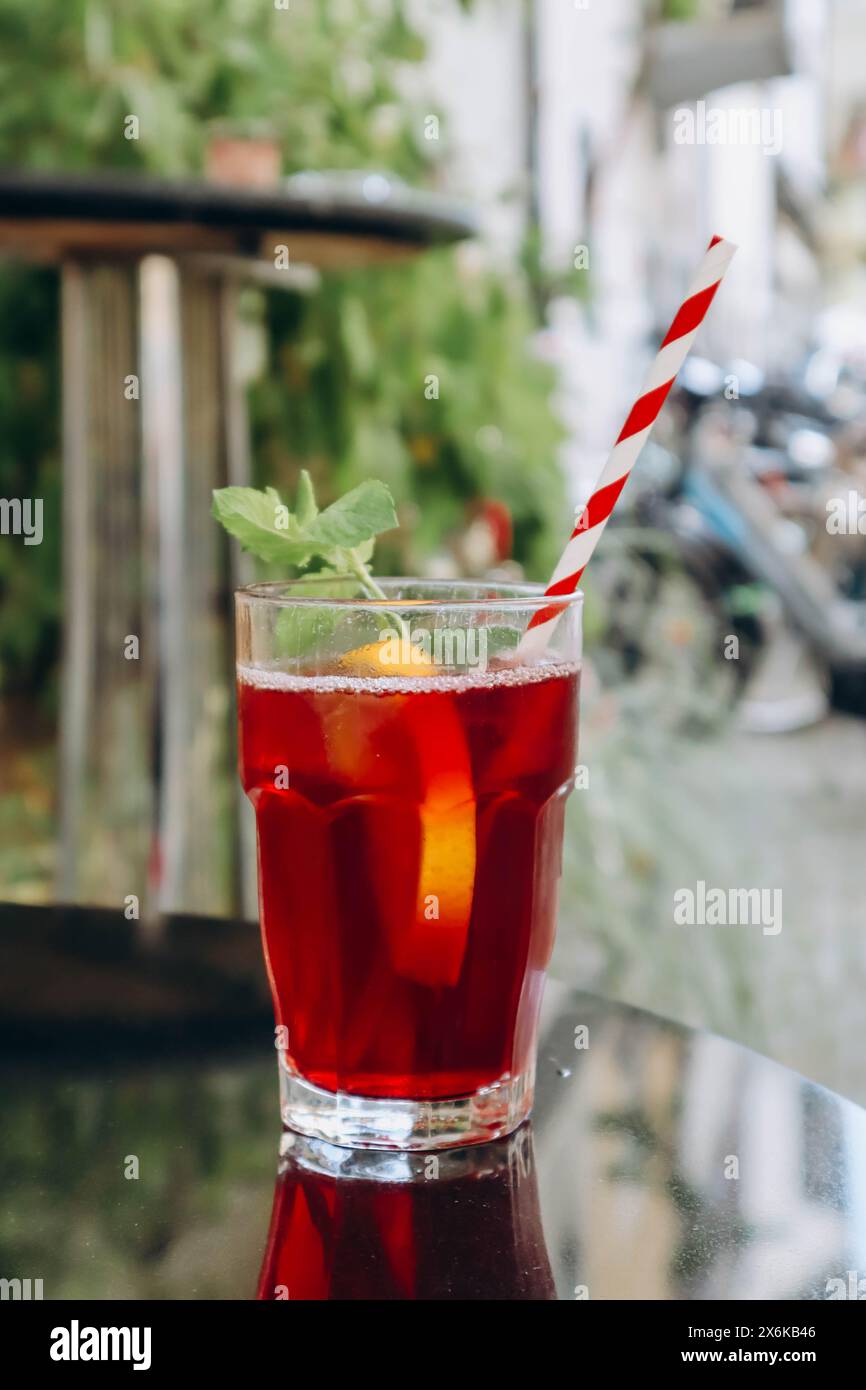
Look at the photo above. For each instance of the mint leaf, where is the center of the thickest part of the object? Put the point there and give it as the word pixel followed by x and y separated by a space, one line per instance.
pixel 353 519
pixel 262 524
pixel 501 641
pixel 342 536
pixel 299 631
pixel 301 628
pixel 364 551
pixel 306 509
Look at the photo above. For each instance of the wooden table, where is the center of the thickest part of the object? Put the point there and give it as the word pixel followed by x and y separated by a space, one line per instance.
pixel 153 419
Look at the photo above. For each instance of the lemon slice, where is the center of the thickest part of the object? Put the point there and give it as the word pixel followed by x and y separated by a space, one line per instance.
pixel 429 945
pixel 381 659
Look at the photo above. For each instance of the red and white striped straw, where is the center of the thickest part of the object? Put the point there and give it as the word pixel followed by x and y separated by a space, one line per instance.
pixel 633 435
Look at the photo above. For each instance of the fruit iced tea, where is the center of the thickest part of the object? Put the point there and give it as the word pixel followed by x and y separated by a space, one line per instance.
pixel 409 841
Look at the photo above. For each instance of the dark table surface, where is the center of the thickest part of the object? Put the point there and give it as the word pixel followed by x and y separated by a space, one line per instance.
pixel 141 1154
pixel 319 215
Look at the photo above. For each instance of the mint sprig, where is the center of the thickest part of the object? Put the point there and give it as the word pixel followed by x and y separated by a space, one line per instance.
pixel 341 537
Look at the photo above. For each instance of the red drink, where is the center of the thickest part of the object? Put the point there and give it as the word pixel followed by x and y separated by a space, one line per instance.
pixel 380 997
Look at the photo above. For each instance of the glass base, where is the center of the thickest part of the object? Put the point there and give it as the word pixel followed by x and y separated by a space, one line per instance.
pixel 365 1122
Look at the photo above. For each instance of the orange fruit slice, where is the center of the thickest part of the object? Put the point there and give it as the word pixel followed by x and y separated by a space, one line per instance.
pixel 428 943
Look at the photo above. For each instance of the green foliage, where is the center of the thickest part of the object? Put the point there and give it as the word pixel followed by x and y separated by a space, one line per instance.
pixel 71 73
pixel 343 393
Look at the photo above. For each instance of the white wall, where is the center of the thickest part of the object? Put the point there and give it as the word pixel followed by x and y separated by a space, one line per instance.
pixel 475 73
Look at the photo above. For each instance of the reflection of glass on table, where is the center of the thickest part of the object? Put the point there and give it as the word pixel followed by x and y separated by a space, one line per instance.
pixel 460 1224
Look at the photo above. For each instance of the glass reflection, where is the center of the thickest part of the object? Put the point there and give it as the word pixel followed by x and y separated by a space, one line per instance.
pixel 459 1224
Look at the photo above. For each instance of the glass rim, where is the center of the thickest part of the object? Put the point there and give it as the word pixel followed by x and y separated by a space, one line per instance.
pixel 509 594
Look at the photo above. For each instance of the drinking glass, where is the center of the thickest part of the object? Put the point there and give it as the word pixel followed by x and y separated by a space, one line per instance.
pixel 408 764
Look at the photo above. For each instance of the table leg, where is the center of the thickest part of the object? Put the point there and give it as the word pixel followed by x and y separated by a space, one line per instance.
pixel 105 787
pixel 186 452
pixel 154 419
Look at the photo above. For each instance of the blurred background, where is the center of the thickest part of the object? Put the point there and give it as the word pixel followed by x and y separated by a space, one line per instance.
pixel 436 243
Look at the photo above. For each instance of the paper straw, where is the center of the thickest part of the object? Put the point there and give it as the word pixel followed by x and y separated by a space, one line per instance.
pixel 633 435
